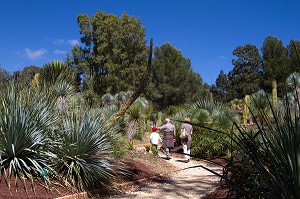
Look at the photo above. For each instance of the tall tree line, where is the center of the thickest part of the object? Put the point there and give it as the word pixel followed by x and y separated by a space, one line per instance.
pixel 113 59
pixel 254 70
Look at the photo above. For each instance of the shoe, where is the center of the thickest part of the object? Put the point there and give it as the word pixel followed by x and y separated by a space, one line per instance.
pixel 168 158
pixel 186 161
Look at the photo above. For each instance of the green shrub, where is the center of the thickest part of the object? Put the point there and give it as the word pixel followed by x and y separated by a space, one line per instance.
pixel 209 144
pixel 147 147
pixel 154 150
pixel 130 145
pixel 266 159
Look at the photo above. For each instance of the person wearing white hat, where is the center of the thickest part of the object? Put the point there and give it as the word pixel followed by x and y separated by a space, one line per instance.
pixel 169 136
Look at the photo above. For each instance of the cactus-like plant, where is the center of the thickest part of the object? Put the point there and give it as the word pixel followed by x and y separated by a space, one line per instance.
pixel 274 95
pixel 159 119
pixel 246 109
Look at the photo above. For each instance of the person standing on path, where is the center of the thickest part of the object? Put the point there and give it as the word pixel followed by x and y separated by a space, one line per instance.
pixel 187 141
pixel 155 137
pixel 169 136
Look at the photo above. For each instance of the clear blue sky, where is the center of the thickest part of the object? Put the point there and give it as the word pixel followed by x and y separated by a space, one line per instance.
pixel 34 32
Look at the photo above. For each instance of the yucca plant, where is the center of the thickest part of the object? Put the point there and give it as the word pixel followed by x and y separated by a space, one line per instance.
pixel 82 155
pixel 55 71
pixel 136 116
pixel 266 161
pixel 25 118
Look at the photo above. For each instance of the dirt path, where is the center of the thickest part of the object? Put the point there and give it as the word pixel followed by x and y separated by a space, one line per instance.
pixel 189 181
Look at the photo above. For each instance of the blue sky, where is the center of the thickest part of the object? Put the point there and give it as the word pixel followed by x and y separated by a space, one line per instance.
pixel 35 32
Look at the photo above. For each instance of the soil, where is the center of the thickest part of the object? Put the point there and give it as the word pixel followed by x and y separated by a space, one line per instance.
pixel 19 189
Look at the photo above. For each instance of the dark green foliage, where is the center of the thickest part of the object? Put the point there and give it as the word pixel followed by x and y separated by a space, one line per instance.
pixel 26 76
pixel 173 81
pixel 219 90
pixel 276 64
pixel 5 77
pixel 207 144
pixel 114 56
pixel 245 76
pixel 294 56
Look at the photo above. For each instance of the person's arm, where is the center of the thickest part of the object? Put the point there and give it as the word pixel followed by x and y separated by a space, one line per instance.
pixel 174 133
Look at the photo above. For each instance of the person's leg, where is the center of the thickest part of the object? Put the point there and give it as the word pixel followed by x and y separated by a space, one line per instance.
pixel 167 153
pixel 184 147
pixel 189 153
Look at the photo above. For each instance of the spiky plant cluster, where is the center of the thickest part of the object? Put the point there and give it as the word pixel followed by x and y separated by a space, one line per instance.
pixel 48 132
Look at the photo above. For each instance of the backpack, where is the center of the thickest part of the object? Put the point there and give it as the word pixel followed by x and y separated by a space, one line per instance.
pixel 183 133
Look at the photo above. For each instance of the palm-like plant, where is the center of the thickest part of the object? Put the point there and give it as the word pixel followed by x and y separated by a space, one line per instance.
pixel 260 104
pixel 215 114
pixel 54 71
pixel 136 117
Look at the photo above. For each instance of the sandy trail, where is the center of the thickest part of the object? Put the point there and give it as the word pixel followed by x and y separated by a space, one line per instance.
pixel 189 181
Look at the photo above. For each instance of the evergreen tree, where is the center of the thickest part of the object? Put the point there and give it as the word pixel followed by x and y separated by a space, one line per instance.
pixel 294 55
pixel 275 63
pixel 173 81
pixel 219 90
pixel 244 78
pixel 114 55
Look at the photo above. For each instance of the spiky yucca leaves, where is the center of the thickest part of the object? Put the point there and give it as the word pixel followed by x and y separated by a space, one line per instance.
pixel 136 118
pixel 83 151
pixel 62 92
pixel 267 158
pixel 53 71
pixel 25 117
pixel 259 103
pixel 212 113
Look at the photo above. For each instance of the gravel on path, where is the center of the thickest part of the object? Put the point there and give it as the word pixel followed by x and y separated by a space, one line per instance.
pixel 189 181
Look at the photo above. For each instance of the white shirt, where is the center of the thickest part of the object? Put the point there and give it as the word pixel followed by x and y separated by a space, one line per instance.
pixel 155 138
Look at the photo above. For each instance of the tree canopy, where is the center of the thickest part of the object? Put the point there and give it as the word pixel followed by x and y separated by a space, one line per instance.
pixel 173 80
pixel 114 54
pixel 244 78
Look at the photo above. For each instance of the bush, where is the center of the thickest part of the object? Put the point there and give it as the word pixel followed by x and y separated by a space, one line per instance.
pixel 208 144
pixel 154 150
pixel 147 147
pixel 266 159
